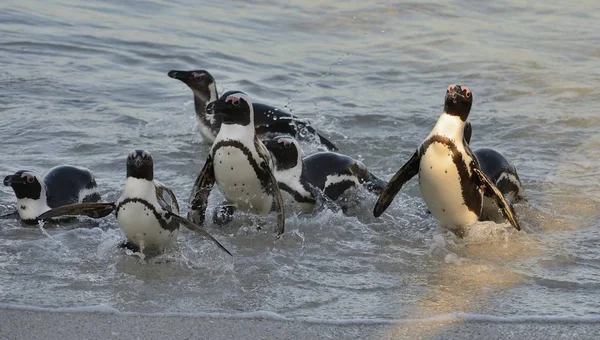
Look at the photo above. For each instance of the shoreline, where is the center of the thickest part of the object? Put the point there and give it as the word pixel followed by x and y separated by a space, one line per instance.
pixel 104 323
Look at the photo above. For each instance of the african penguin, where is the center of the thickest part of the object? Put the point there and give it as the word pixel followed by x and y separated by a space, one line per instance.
pixel 502 173
pixel 61 185
pixel 451 181
pixel 303 180
pixel 147 210
pixel 238 163
pixel 268 120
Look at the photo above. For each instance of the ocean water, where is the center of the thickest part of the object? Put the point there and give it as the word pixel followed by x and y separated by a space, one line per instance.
pixel 85 82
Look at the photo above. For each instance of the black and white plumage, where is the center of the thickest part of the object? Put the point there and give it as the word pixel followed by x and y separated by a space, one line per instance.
pixel 239 164
pixel 268 120
pixel 147 210
pixel 451 180
pixel 305 179
pixel 501 172
pixel 61 185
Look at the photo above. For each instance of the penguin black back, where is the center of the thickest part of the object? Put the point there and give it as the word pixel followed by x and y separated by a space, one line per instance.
pixel 65 184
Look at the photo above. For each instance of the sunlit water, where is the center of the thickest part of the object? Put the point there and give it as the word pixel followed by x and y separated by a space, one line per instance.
pixel 84 82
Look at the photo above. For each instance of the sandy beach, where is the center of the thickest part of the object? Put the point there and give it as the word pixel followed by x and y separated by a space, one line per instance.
pixel 39 324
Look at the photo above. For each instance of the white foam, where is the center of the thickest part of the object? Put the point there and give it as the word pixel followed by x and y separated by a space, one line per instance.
pixel 465 317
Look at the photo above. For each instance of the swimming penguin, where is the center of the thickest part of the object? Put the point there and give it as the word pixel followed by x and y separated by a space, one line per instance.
pixel 62 185
pixel 239 164
pixel 147 210
pixel 267 119
pixel 450 178
pixel 502 173
pixel 304 180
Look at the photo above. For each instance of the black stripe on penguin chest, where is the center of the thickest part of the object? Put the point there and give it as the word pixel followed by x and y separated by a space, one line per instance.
pixel 167 225
pixel 298 197
pixel 335 190
pixel 258 168
pixel 471 193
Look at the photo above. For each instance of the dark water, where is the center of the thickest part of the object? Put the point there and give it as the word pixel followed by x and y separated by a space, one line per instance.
pixel 84 82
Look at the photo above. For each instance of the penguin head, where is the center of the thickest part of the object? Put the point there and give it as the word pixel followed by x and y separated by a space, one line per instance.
pixel 25 184
pixel 286 152
pixel 458 101
pixel 140 165
pixel 235 108
pixel 201 82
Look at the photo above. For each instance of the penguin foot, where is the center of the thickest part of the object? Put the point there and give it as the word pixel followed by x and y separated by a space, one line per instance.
pixel 130 246
pixel 223 214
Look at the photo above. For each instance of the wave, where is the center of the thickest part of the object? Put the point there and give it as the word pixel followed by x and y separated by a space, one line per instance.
pixel 464 317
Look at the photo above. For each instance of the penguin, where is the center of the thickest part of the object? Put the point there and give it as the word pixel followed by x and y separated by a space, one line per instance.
pixel 304 180
pixel 61 185
pixel 267 119
pixel 451 180
pixel 239 164
pixel 502 172
pixel 147 210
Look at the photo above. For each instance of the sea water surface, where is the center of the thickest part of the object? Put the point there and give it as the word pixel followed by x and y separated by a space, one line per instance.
pixel 85 82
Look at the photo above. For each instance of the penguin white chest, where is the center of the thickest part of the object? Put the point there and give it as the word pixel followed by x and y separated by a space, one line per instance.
pixel 141 227
pixel 440 184
pixel 239 182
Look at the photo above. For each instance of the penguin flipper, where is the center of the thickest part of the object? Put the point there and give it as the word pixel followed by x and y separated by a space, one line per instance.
pixel 274 188
pixel 492 191
pixel 166 197
pixel 406 172
pixel 90 209
pixel 195 228
pixel 200 192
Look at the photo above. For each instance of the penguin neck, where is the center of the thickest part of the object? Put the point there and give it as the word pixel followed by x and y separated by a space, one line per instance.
pixel 200 107
pixel 140 188
pixel 449 126
pixel 243 133
pixel 295 179
pixel 29 208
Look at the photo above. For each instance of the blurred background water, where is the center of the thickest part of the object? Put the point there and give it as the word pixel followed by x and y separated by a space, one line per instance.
pixel 84 82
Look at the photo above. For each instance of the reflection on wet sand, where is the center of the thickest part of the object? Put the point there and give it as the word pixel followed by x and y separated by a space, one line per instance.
pixel 479 267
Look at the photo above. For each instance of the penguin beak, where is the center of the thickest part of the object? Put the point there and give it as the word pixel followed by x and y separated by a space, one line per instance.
pixel 13 179
pixel 184 76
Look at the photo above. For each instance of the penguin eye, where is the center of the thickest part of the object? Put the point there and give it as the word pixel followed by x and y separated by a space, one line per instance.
pixel 29 178
pixel 467 92
pixel 234 101
pixel 198 76
pixel 450 87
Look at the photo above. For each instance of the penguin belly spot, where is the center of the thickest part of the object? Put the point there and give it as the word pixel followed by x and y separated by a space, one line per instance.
pixel 239 182
pixel 440 185
pixel 141 227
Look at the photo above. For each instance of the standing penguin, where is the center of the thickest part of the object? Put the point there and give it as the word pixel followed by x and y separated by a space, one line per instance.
pixel 267 119
pixel 502 173
pixel 305 179
pixel 147 211
pixel 61 185
pixel 238 163
pixel 450 178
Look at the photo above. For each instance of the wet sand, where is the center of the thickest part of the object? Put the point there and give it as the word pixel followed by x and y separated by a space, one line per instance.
pixel 31 324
